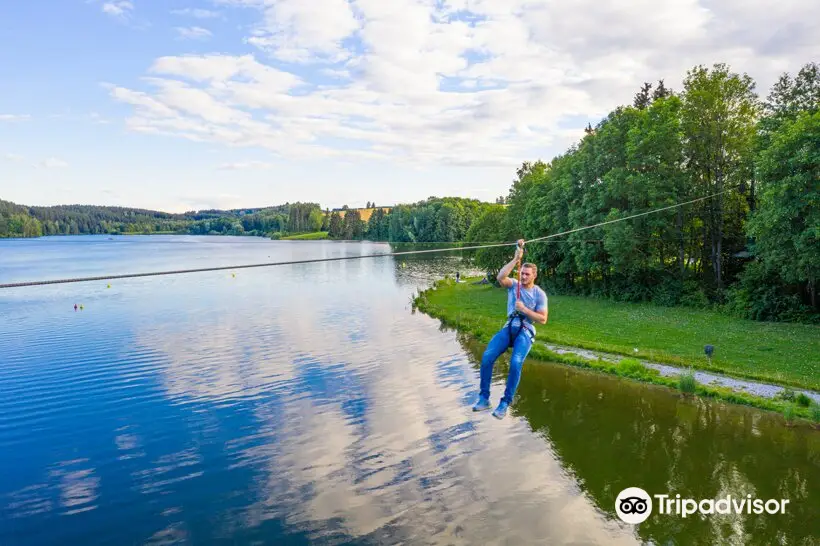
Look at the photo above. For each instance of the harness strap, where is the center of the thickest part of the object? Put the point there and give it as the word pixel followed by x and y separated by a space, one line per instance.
pixel 516 314
pixel 521 326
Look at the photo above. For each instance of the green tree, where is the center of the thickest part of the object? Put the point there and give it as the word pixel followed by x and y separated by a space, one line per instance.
pixel 643 98
pixel 352 225
pixel 493 225
pixel 315 219
pixel 377 226
pixel 400 225
pixel 790 97
pixel 657 179
pixel 540 203
pixel 335 229
pixel 719 113
pixel 661 91
pixel 786 226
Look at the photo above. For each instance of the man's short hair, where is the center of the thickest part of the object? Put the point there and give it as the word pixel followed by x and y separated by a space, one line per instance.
pixel 531 266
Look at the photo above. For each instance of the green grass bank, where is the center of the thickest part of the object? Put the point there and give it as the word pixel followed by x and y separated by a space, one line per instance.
pixel 784 354
pixel 313 236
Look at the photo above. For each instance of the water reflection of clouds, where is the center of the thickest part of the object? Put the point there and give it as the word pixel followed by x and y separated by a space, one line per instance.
pixel 71 486
pixel 78 490
pixel 483 481
pixel 196 364
pixel 168 470
pixel 360 407
pixel 375 433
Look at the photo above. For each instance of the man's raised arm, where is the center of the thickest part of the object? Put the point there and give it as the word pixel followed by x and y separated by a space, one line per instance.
pixel 504 275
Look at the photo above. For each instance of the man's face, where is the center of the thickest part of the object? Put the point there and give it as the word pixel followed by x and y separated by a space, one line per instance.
pixel 527 276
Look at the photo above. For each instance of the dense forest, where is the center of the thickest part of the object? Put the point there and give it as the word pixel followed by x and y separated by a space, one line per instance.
pixel 267 222
pixel 435 219
pixel 753 250
pixel 22 221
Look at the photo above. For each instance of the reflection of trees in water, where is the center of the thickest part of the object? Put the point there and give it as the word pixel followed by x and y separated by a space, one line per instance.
pixel 612 434
pixel 426 268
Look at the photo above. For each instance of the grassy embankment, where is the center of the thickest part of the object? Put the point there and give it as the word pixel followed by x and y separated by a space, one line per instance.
pixel 313 236
pixel 785 354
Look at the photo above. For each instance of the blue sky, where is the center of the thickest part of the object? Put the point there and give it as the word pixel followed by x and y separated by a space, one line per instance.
pixel 232 103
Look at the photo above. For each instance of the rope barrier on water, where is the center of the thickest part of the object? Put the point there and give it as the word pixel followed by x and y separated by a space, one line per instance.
pixel 245 266
pixel 319 260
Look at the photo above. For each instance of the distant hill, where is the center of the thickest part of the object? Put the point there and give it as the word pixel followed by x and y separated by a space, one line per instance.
pixel 34 221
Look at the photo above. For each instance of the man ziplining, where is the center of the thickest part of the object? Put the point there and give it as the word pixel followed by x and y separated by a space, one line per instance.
pixel 526 303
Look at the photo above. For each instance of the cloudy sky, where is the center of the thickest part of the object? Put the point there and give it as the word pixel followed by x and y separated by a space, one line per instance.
pixel 187 104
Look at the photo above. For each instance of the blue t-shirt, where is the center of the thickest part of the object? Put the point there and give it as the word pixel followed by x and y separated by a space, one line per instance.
pixel 534 298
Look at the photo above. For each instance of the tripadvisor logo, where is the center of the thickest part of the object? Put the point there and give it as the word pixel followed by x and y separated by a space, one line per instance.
pixel 634 505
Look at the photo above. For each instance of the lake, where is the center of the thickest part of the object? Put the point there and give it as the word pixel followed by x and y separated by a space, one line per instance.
pixel 309 404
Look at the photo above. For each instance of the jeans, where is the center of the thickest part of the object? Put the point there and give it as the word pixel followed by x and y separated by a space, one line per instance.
pixel 498 346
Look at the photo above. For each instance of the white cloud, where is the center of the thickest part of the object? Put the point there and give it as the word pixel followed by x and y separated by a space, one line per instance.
pixel 15 158
pixel 14 117
pixel 142 100
pixel 193 33
pixel 463 82
pixel 294 30
pixel 120 9
pixel 217 69
pixel 197 13
pixel 54 163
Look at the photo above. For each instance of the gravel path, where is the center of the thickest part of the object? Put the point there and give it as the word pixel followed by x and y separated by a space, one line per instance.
pixel 740 385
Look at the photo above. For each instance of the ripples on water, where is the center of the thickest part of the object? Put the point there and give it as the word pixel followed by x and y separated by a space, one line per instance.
pixel 284 405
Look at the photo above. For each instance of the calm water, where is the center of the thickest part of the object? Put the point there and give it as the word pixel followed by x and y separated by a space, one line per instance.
pixel 309 404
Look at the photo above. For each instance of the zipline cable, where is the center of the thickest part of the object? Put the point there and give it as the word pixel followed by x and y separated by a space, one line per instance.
pixel 318 260
pixel 630 217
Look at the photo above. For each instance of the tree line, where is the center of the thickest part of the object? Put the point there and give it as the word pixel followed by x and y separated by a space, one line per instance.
pixel 436 219
pixel 752 249
pixel 23 221
pixel 445 219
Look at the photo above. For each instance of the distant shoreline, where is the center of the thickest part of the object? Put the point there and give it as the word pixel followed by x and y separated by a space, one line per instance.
pixel 283 239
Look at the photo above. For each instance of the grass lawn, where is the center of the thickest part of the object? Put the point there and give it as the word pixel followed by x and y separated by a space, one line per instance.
pixel 314 236
pixel 787 354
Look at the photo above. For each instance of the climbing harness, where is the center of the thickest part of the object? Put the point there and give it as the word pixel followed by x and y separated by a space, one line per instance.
pixel 516 314
pixel 521 326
